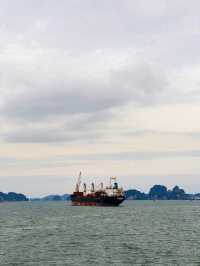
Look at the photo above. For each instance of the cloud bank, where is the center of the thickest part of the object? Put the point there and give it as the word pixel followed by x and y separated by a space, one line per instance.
pixel 62 61
pixel 110 86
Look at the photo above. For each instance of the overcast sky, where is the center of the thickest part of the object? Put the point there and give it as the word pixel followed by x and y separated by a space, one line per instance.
pixel 107 87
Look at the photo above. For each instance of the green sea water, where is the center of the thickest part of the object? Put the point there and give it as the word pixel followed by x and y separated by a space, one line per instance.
pixel 137 233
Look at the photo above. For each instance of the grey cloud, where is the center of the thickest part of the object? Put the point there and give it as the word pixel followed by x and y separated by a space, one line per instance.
pixel 117 156
pixel 48 136
pixel 76 58
pixel 85 129
pixel 145 155
pixel 80 105
pixel 137 84
pixel 75 128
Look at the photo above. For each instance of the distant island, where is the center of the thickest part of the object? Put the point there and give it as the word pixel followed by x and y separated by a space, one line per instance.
pixel 157 192
pixel 64 197
pixel 160 192
pixel 12 196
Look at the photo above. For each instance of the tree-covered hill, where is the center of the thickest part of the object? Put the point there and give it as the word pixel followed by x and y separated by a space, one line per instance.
pixel 159 192
pixel 12 196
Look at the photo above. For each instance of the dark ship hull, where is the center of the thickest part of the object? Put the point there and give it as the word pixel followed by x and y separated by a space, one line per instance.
pixel 81 200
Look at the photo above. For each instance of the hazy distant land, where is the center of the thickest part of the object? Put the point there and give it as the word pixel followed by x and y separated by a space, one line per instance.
pixel 12 196
pixel 157 192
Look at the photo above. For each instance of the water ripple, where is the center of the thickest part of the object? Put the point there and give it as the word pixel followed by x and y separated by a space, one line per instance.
pixel 140 233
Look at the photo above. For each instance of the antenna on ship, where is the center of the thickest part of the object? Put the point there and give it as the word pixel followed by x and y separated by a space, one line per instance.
pixel 78 182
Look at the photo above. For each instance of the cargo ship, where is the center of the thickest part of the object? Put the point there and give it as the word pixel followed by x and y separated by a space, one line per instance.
pixel 111 195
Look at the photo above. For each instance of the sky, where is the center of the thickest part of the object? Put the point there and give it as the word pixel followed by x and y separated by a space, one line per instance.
pixel 104 87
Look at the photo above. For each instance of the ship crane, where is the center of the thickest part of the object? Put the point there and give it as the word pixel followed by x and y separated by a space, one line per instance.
pixel 78 182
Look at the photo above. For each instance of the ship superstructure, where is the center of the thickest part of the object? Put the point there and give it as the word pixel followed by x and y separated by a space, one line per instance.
pixel 111 195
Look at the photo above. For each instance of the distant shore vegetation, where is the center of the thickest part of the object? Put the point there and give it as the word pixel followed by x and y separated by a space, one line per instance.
pixel 160 192
pixel 12 196
pixel 157 192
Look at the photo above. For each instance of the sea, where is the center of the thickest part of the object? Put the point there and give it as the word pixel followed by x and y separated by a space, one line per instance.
pixel 136 233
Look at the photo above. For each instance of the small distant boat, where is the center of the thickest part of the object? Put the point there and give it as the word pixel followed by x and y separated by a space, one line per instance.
pixel 111 195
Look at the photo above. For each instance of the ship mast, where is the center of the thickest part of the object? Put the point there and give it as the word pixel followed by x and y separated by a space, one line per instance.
pixel 78 182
